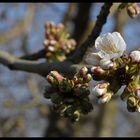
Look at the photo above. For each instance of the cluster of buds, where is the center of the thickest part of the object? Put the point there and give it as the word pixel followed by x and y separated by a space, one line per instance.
pixel 132 94
pixel 133 9
pixel 70 96
pixel 116 69
pixel 57 43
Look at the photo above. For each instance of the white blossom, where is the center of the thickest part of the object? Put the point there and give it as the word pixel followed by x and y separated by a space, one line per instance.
pixel 109 46
pixel 135 56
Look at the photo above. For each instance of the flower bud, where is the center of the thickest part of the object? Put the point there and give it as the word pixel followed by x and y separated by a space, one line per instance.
pixel 97 70
pixel 87 78
pixel 50 79
pixel 131 101
pixel 100 89
pixel 76 116
pixel 105 98
pixel 106 64
pixel 138 106
pixel 133 10
pixel 137 93
pixel 57 76
pixel 83 71
pixel 135 56
pixel 51 48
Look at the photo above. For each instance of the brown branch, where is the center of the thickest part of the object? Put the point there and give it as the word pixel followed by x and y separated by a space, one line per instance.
pixel 78 54
pixel 81 20
pixel 41 68
pixel 101 20
pixel 35 56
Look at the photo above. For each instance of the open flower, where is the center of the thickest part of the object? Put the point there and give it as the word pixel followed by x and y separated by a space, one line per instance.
pixel 109 46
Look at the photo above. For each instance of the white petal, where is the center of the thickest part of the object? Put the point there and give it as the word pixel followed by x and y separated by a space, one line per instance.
pixel 92 59
pixel 98 91
pixel 119 41
pixel 106 64
pixel 110 45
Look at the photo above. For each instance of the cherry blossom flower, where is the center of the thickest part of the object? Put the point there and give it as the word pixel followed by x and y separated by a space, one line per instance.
pixel 110 46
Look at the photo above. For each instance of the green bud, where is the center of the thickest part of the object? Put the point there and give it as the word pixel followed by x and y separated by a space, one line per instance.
pixel 87 78
pixel 131 101
pixel 76 116
pixel 66 85
pixel 138 106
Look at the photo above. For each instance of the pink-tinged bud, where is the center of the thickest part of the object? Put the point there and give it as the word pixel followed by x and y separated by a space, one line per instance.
pixel 56 75
pixel 83 71
pixel 135 56
pixel 100 89
pixel 52 42
pixel 137 93
pixel 97 70
pixel 50 79
pixel 106 64
pixel 133 10
pixel 88 77
pixel 105 98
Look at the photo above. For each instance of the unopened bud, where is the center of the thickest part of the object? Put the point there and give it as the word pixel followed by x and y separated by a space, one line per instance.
pixel 137 93
pixel 135 56
pixel 100 89
pixel 138 106
pixel 76 115
pixel 97 70
pixel 105 98
pixel 50 79
pixel 133 10
pixel 131 101
pixel 87 78
pixel 51 48
pixel 83 71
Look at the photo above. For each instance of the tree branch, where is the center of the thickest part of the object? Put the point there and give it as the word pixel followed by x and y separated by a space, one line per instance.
pixel 35 56
pixel 41 68
pixel 78 54
pixel 101 20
